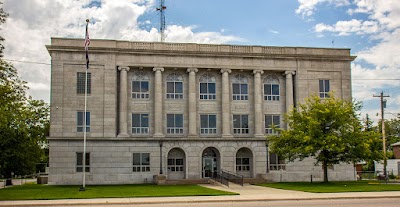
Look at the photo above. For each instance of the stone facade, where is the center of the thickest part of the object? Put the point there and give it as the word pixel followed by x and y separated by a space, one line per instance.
pixel 175 76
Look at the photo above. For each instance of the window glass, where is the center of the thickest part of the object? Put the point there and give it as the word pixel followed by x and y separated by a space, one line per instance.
pixel 236 88
pixel 178 120
pixel 179 88
pixel 243 88
pixel 211 88
pixel 135 86
pixel 136 158
pixel 170 120
pixel 236 121
pixel 204 121
pixel 275 89
pixel 144 86
pixel 203 88
pixel 170 87
pixel 212 121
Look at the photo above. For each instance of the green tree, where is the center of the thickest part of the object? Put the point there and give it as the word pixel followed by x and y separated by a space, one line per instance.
pixel 327 130
pixel 24 122
pixel 392 132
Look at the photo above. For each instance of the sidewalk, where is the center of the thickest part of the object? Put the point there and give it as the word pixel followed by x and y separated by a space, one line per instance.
pixel 247 193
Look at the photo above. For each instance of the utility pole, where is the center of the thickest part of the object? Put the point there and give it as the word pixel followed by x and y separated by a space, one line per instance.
pixel 383 106
pixel 367 123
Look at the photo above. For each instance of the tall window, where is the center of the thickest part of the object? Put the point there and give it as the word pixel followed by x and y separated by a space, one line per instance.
pixel 207 87
pixel 141 162
pixel 140 85
pixel 208 124
pixel 175 164
pixel 80 83
pixel 79 119
pixel 174 86
pixel 79 162
pixel 272 120
pixel 240 124
pixel 271 88
pixel 242 164
pixel 275 163
pixel 239 87
pixel 140 123
pixel 174 123
pixel 324 88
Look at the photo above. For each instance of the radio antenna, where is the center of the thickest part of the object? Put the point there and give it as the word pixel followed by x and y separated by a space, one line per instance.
pixel 162 9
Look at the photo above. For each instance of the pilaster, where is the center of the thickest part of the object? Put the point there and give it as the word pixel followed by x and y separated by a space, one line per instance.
pixel 226 113
pixel 123 102
pixel 258 114
pixel 158 103
pixel 192 102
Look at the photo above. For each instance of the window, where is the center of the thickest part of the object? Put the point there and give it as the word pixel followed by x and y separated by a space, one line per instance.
pixel 242 164
pixel 174 123
pixel 141 162
pixel 80 83
pixel 140 123
pixel 175 164
pixel 140 86
pixel 324 88
pixel 80 118
pixel 272 120
pixel 275 163
pixel 239 88
pixel 207 87
pixel 79 162
pixel 271 88
pixel 208 124
pixel 240 124
pixel 174 86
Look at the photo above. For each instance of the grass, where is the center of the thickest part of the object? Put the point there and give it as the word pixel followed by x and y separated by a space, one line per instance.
pixel 336 187
pixel 46 192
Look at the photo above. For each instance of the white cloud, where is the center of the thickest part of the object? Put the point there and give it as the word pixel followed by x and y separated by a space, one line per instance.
pixel 32 23
pixel 345 28
pixel 273 31
pixel 308 7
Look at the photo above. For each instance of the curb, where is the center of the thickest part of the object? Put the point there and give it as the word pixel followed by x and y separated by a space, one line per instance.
pixel 51 203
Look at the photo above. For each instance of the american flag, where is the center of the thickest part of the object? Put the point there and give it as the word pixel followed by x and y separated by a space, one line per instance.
pixel 87 43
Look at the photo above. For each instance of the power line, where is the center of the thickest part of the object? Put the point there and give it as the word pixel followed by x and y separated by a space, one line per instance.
pixel 23 61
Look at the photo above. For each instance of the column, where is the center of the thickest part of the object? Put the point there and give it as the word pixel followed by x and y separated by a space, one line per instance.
pixel 158 99
pixel 226 107
pixel 123 101
pixel 289 90
pixel 258 112
pixel 192 102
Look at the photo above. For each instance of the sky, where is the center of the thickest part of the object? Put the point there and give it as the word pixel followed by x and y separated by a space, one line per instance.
pixel 370 28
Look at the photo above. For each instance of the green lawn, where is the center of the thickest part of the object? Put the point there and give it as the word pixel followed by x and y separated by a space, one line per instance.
pixel 336 187
pixel 45 192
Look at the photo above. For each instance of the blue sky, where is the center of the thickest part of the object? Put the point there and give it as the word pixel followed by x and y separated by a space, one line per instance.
pixel 370 28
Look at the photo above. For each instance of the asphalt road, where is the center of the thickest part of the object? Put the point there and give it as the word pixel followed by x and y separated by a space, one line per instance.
pixel 384 202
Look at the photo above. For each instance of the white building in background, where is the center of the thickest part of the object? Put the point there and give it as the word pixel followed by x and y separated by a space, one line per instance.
pixel 183 110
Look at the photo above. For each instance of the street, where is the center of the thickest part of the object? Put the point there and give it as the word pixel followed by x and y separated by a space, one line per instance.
pixel 383 202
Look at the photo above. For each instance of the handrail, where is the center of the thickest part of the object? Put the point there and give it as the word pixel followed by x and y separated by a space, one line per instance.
pixel 219 178
pixel 232 177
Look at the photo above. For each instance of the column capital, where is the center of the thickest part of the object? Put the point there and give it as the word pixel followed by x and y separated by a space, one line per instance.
pixel 195 70
pixel 289 72
pixel 158 69
pixel 258 71
pixel 224 70
pixel 126 68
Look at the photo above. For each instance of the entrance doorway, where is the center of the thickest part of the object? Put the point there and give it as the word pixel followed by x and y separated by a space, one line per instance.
pixel 210 162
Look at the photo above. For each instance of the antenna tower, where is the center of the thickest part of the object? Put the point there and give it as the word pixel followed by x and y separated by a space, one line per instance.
pixel 162 9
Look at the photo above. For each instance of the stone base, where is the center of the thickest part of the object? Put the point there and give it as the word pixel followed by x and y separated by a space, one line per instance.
pixel 159 179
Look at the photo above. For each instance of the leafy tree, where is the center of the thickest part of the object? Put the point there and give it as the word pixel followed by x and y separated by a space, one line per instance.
pixel 24 123
pixel 327 130
pixel 392 131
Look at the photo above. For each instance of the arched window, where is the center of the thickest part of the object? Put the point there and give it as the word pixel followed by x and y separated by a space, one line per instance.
pixel 207 87
pixel 271 88
pixel 140 85
pixel 240 87
pixel 174 86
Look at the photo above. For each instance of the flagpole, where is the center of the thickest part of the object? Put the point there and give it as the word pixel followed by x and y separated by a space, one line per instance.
pixel 85 117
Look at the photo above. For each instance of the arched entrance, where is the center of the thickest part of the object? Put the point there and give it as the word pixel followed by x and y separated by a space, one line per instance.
pixel 244 162
pixel 176 164
pixel 210 162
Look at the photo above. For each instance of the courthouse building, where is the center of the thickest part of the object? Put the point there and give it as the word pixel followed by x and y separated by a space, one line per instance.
pixel 183 110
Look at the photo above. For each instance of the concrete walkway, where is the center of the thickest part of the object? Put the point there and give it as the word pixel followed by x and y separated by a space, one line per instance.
pixel 247 193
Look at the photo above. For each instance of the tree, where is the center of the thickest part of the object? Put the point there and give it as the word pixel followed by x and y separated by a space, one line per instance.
pixel 392 131
pixel 24 123
pixel 327 130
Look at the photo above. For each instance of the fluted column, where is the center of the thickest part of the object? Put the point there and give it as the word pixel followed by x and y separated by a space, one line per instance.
pixel 158 101
pixel 289 90
pixel 192 102
pixel 123 101
pixel 258 113
pixel 226 121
